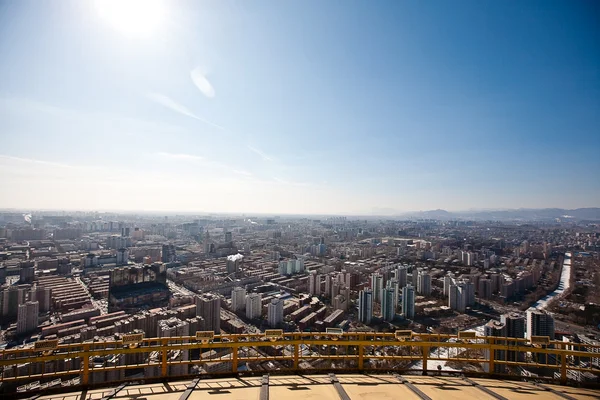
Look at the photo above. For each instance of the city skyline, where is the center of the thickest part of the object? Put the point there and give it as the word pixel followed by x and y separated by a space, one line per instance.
pixel 228 107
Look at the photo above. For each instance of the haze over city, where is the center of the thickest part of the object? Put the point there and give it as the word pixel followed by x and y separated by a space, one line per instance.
pixel 314 107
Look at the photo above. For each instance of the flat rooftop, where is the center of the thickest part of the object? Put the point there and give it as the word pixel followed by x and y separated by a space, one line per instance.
pixel 333 387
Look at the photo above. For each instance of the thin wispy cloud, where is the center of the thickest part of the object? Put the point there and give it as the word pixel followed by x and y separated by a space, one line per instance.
pixel 262 154
pixel 171 104
pixel 181 156
pixel 33 161
pixel 202 83
pixel 241 172
pixel 89 119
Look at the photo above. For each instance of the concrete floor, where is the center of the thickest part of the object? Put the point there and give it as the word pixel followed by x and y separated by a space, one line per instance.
pixel 320 387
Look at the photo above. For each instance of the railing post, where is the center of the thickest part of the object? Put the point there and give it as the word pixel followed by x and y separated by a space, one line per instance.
pixel 234 358
pixel 563 366
pixel 491 352
pixel 85 359
pixel 296 355
pixel 361 354
pixel 425 355
pixel 163 367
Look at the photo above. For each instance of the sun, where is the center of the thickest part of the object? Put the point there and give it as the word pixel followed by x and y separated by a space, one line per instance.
pixel 132 17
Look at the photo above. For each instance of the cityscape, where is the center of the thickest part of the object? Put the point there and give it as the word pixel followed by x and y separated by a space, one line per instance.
pixel 308 199
pixel 90 277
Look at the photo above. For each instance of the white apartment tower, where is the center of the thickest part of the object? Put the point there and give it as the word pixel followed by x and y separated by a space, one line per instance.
pixel 238 299
pixel 275 312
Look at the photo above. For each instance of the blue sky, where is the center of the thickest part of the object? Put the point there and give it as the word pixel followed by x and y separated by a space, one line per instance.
pixel 300 107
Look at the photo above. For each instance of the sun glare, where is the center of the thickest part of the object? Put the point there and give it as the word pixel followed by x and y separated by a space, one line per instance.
pixel 132 17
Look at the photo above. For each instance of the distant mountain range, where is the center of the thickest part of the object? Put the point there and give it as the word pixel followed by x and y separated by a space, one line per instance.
pixel 521 214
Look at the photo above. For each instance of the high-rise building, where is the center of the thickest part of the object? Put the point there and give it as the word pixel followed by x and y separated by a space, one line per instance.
pixel 314 283
pixel 12 297
pixel 424 283
pixel 470 294
pixel 515 328
pixel 342 300
pixel 402 276
pixel 377 286
pixel 328 285
pixel 485 288
pixel 253 305
pixel 393 284
pixel 448 281
pixel 496 329
pixel 299 266
pixel 42 295
pixel 539 323
pixel 27 317
pixel 365 306
pixel 175 327
pixel 515 324
pixel 415 276
pixel 408 302
pixel 168 253
pixel 228 237
pixel 208 306
pixel 238 299
pixel 234 262
pixel 275 313
pixel 388 307
pixel 27 273
pixel 457 297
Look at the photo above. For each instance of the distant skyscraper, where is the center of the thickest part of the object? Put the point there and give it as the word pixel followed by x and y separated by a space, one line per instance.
pixel 299 266
pixel 253 305
pixel 12 297
pixel 448 281
pixel 470 294
pixel 408 302
pixel 238 299
pixel 168 253
pixel 515 325
pixel 314 283
pixel 539 323
pixel 457 297
pixel 234 262
pixel 27 317
pixel 388 307
pixel 515 328
pixel 415 276
pixel 365 306
pixel 208 306
pixel 393 284
pixel 424 283
pixel 328 284
pixel 228 237
pixel 496 329
pixel 402 276
pixel 377 286
pixel 42 295
pixel 485 288
pixel 275 313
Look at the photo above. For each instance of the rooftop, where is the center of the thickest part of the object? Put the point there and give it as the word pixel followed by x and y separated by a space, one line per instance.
pixel 325 387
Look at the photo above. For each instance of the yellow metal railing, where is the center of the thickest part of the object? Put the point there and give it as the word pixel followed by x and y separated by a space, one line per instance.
pixel 109 361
